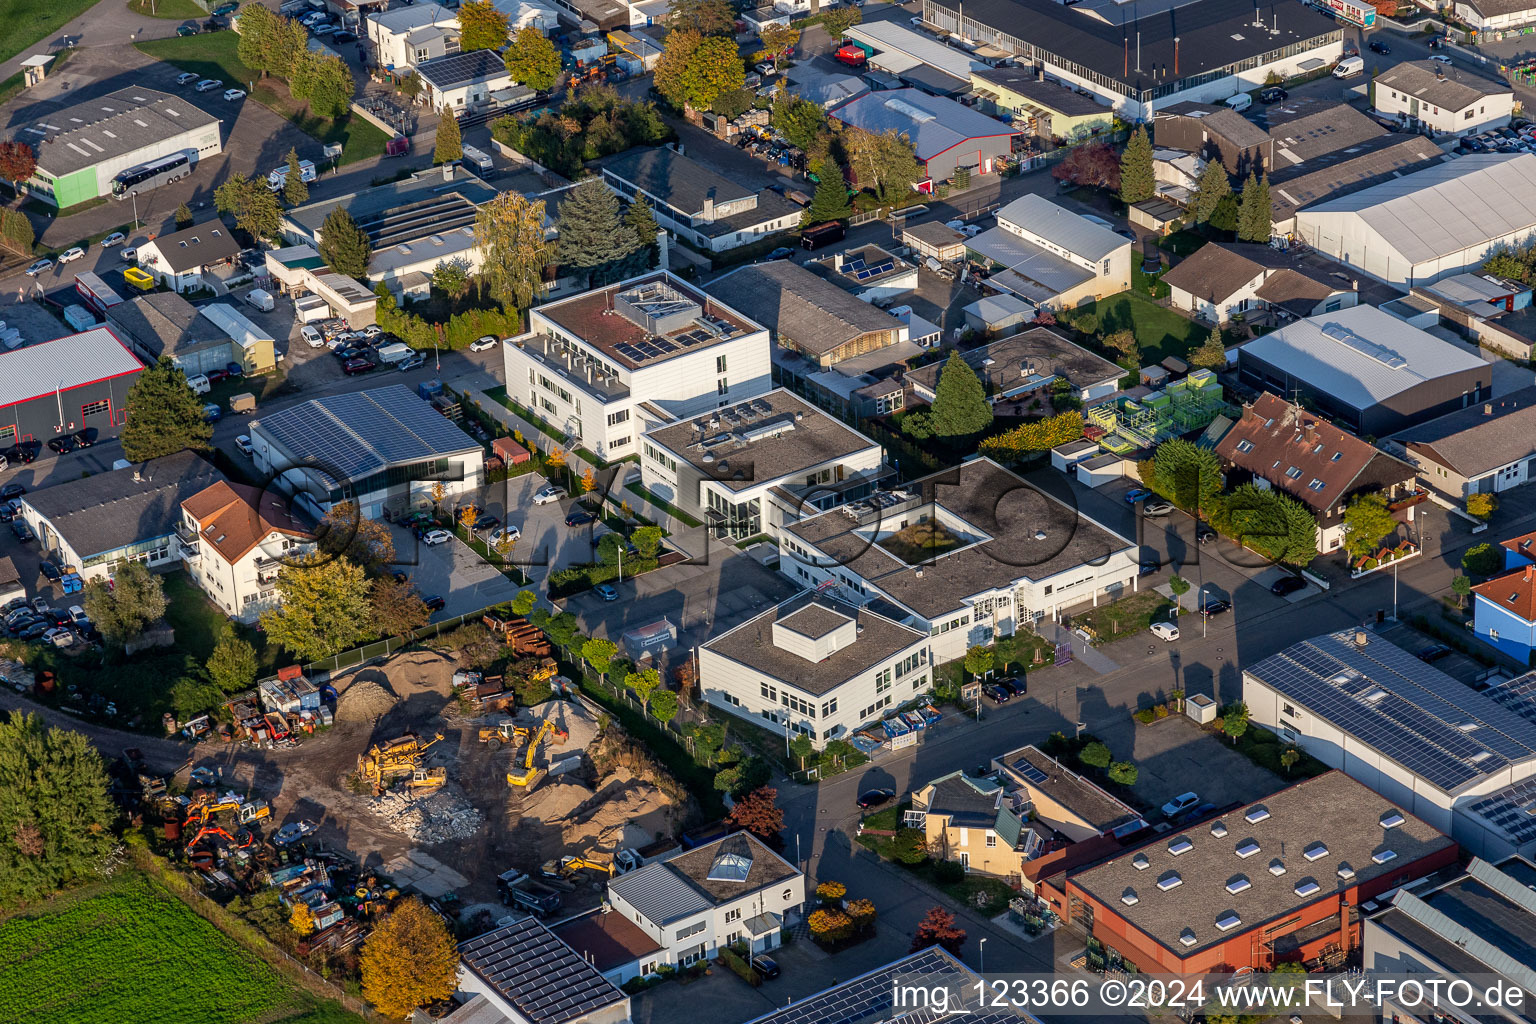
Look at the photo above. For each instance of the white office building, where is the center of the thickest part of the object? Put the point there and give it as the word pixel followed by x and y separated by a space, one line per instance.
pixel 610 364
pixel 235 540
pixel 1052 257
pixel 406 36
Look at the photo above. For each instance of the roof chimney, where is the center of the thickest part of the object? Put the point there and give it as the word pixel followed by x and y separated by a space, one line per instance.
pixel 708 215
pixel 1361 638
pixel 448 170
pixel 1488 409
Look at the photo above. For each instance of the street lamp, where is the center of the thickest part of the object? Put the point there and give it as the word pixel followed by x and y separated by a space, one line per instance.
pixel 981 950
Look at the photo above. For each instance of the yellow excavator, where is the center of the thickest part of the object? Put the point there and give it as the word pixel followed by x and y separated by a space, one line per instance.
pixel 566 867
pixel 427 778
pixel 529 776
pixel 393 758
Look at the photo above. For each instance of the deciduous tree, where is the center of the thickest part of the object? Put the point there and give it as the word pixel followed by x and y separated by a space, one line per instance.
pixel 450 141
pixel 1123 773
pixel 510 233
pixel 778 39
pixel 713 68
pixel 397 609
pixel 1096 165
pixel 664 706
pixel 1095 755
pixel 1366 521
pixel 1137 181
pixel 133 603
pixel 960 406
pixel 324 80
pixel 707 17
pixel 799 120
pixel 1482 560
pixel 1121 341
pixel 937 928
pixel 451 277
pixel 532 59
pixel 599 653
pixel 232 665
pixel 1234 721
pixel 883 163
pixel 481 26
pixel 410 85
pixel 524 602
pixel 55 815
pixel 325 607
pixel 253 205
pixel 978 661
pixel 759 813
pixel 343 532
pixel 644 682
pixel 409 960
pixel 164 416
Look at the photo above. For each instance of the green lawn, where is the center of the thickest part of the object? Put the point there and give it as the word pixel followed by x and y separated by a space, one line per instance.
pixel 30 21
pixel 10 87
pixel 178 10
pixel 1160 332
pixel 128 950
pixel 1126 617
pixel 216 55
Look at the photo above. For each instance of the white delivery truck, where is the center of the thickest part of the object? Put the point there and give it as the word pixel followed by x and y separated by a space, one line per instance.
pixel 395 353
pixel 279 175
pixel 261 299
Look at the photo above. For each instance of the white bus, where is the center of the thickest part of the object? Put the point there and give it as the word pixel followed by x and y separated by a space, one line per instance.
pixel 151 175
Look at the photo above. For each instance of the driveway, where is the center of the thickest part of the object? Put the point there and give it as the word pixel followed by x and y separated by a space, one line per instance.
pixel 452 571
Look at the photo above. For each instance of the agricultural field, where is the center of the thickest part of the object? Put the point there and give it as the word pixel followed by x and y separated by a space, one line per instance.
pixel 128 950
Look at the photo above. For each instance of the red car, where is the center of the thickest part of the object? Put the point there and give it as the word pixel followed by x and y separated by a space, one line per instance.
pixel 352 366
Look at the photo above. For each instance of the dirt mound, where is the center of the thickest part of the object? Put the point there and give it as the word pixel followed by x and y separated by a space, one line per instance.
pixel 364 701
pixel 624 811
pixel 437 818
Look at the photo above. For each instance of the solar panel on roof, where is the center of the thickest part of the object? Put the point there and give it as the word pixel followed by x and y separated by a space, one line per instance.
pixel 1029 772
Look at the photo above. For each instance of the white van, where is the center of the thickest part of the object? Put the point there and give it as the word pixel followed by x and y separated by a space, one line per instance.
pixel 279 175
pixel 199 384
pixel 1241 102
pixel 1349 67
pixel 261 299
pixel 394 353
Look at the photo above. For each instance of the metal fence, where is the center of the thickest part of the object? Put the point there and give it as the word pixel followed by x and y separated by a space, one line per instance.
pixel 379 649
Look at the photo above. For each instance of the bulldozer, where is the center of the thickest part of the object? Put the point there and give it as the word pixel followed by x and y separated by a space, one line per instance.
pixel 502 730
pixel 567 867
pixel 393 758
pixel 427 778
pixel 529 776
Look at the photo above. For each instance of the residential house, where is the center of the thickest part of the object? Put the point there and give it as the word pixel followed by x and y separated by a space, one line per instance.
pixel 1445 100
pixel 521 973
pixel 948 137
pixel 1284 448
pixel 1215 131
pixel 967 555
pixel 196 339
pixel 407 36
pixel 459 83
pixel 1028 365
pixel 235 540
pixel 973 822
pixel 1273 881
pixel 750 468
pixel 1052 257
pixel 612 943
pixel 606 366
pixel 1220 281
pixel 1493 17
pixel 691 905
pixel 711 211
pixel 123 515
pixel 1504 612
pixel 184 260
pixel 1459 759
pixel 1073 809
pixel 383 446
pixel 815 665
pixel 1482 449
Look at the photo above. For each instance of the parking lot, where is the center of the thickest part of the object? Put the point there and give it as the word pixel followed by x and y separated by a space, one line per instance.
pixel 453 571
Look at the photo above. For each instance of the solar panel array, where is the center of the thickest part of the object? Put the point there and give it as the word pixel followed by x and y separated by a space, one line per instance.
pixel 1411 712
pixel 353 435
pixel 1512 810
pixel 1029 772
pixel 864 272
pixel 1518 695
pixel 537 973
pixel 659 347
pixel 871 998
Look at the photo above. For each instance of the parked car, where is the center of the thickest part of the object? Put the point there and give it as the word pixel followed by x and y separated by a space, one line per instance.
pixel 765 966
pixel 311 336
pixel 372 331
pixel 432 538
pixel 59 636
pixel 40 605
pixel 344 37
pixel 187 30
pixel 62 445
pixel 434 602
pixel 1442 58
pixel 1149 568
pixel 1165 631
pixel 549 494
pixel 50 569
pixel 1015 685
pixel 1287 584
pixel 1136 494
pixel 1432 653
pixel 1217 607
pixel 356 366
pixel 781 253
pixel 1180 804
pixel 224 10
pixel 115 238
pixel 243 443
pixel 1156 507
pixel 186 78
pixel 580 516
pixel 22 531
pixel 1189 817
pixel 874 798
pixel 1377 46
pixel 483 343
pixel 506 531
pixel 33 631
pixel 39 266
pixel 411 362
pixel 129 255
pixel 10 491
pixel 1273 94
pixel 86 438
pixel 484 523
pixel 78 617
pixel 997 694
pixel 210 84
pixel 230 95
pixel 75 252
pixel 606 591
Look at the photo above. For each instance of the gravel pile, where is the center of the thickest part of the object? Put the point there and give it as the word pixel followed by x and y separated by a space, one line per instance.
pixel 364 701
pixel 438 818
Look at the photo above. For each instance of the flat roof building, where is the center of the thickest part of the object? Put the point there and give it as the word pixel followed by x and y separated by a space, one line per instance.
pixel 382 446
pixel 81 147
pixel 1049 109
pixel 1368 371
pixel 1429 224
pixel 460 83
pixel 968 554
pixel 1268 883
pixel 1441 750
pixel 1012 368
pixel 65 385
pixel 1200 50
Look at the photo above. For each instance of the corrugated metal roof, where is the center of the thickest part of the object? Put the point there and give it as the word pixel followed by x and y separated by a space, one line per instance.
pixel 658 894
pixel 1447 208
pixel 1073 232
pixel 1360 355
pixel 932 124
pixel 889 37
pixel 63 363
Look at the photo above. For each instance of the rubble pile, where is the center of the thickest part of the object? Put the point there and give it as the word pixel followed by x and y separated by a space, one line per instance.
pixel 364 701
pixel 438 818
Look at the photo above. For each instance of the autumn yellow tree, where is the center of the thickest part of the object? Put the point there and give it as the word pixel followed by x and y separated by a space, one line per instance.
pixel 509 231
pixel 302 920
pixel 468 516
pixel 588 481
pixel 556 459
pixel 409 960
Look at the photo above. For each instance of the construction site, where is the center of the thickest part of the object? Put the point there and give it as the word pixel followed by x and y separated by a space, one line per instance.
pixel 431 778
pixel 1126 424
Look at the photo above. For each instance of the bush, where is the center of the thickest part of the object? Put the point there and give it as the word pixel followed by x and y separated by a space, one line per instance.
pixel 831 892
pixel 1144 716
pixel 830 925
pixel 948 872
pixel 743 969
